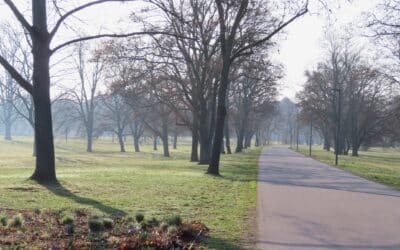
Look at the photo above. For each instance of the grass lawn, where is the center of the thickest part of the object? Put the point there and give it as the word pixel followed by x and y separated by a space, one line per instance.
pixel 377 164
pixel 110 182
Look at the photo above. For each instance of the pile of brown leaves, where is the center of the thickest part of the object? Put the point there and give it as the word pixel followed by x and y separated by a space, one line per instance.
pixel 43 229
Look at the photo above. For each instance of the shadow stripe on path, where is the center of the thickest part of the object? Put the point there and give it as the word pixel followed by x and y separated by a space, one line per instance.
pixel 306 204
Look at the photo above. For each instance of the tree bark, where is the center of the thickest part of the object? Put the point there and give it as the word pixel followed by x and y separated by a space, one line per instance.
pixel 227 138
pixel 155 142
pixel 45 164
pixel 327 142
pixel 204 151
pixel 257 142
pixel 213 167
pixel 165 138
pixel 194 156
pixel 248 138
pixel 34 148
pixel 136 134
pixel 242 128
pixel 204 138
pixel 136 144
pixel 121 141
pixel 89 136
pixel 175 143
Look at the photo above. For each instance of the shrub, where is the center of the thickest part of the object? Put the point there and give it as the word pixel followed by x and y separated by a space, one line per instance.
pixel 69 229
pixel 3 220
pixel 129 219
pixel 172 230
pixel 67 220
pixel 154 222
pixel 16 221
pixel 144 225
pixel 164 226
pixel 139 217
pixel 143 236
pixel 108 223
pixel 95 224
pixel 174 220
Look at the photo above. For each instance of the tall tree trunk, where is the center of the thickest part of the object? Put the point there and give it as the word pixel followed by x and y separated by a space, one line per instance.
pixel 45 165
pixel 34 147
pixel 240 140
pixel 89 135
pixel 194 156
pixel 327 142
pixel 227 138
pixel 89 147
pixel 204 138
pixel 155 142
pixel 89 131
pixel 248 138
pixel 175 143
pixel 165 138
pixel 121 141
pixel 257 143
pixel 213 167
pixel 136 143
pixel 136 134
pixel 354 150
pixel 204 150
pixel 223 147
pixel 242 129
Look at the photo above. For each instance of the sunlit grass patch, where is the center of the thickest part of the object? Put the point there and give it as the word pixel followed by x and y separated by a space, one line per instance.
pixel 110 182
pixel 377 164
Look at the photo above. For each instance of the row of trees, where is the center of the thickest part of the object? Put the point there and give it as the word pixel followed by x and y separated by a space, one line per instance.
pixel 346 86
pixel 352 92
pixel 194 49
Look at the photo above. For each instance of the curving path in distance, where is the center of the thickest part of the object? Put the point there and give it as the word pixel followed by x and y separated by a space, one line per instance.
pixel 305 204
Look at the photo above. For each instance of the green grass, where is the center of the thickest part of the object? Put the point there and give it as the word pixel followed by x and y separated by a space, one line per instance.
pixel 110 182
pixel 377 164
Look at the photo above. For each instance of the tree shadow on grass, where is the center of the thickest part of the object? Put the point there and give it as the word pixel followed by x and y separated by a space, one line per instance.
pixel 218 243
pixel 59 190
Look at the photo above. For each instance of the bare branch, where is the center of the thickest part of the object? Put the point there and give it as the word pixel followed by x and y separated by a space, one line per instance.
pixel 272 34
pixel 77 9
pixel 19 15
pixel 17 76
pixel 109 36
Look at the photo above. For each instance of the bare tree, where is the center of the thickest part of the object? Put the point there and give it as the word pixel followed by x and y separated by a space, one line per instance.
pixel 85 93
pixel 118 116
pixel 7 102
pixel 252 90
pixel 41 38
pixel 383 26
pixel 191 57
pixel 239 34
pixel 364 99
pixel 137 130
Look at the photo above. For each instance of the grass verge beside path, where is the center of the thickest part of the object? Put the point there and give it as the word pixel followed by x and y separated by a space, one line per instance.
pixel 377 164
pixel 110 182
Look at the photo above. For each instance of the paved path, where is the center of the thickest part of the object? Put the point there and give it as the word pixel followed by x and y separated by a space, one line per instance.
pixel 305 204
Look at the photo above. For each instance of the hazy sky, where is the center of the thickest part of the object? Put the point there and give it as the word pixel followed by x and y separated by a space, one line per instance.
pixel 299 50
pixel 303 46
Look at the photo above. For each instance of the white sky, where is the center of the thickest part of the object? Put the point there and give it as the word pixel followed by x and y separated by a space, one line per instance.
pixel 303 47
pixel 299 50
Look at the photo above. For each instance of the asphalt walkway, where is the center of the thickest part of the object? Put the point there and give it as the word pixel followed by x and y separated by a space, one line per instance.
pixel 305 204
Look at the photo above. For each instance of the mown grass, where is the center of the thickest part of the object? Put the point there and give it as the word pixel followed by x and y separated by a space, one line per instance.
pixel 377 164
pixel 110 182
